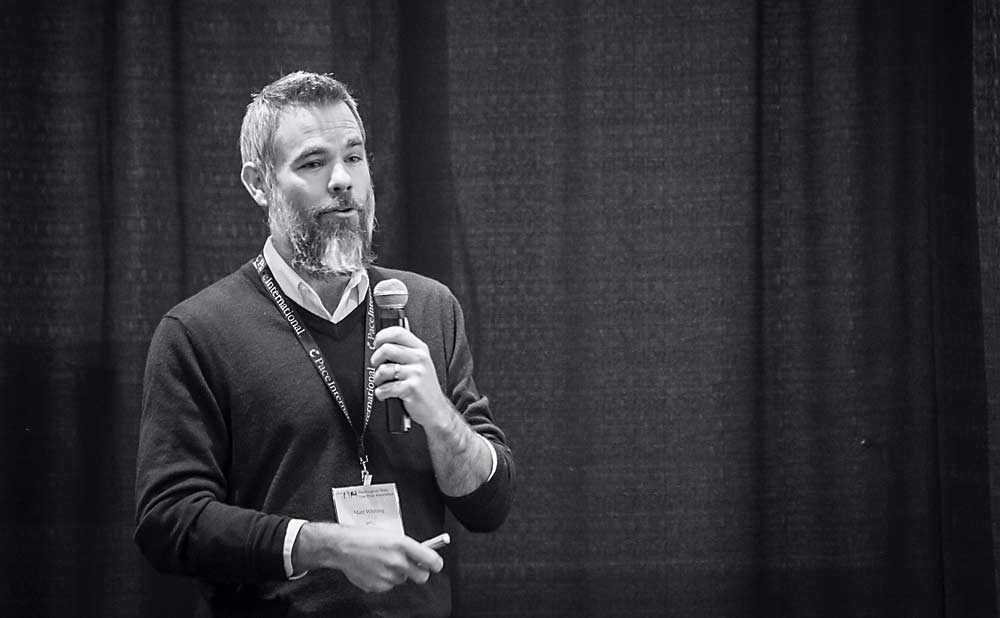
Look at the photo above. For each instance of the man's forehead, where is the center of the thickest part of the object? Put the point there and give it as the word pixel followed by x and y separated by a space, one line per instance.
pixel 301 123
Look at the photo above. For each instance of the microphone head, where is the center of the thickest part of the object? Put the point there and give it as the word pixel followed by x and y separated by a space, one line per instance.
pixel 390 294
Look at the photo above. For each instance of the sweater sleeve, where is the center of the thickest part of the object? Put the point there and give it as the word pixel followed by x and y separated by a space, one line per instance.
pixel 183 522
pixel 486 508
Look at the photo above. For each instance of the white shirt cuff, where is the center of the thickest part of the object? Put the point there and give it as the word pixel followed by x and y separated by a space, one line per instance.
pixel 292 533
pixel 493 454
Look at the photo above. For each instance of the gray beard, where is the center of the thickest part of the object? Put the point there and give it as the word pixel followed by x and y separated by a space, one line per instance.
pixel 324 249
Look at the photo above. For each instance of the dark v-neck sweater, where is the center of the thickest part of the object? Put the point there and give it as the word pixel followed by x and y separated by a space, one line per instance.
pixel 239 434
pixel 343 347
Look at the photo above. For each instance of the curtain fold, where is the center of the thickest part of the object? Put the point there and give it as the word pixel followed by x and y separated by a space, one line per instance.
pixel 847 418
pixel 986 105
pixel 729 270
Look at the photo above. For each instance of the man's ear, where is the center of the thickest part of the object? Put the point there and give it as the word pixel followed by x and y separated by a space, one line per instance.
pixel 253 179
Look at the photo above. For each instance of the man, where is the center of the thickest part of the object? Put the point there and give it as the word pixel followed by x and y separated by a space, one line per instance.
pixel 265 465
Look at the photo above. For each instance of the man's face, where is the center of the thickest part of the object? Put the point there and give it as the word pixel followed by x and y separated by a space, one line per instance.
pixel 321 205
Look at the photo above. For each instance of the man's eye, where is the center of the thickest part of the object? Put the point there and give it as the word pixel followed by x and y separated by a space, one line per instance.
pixel 312 164
pixel 355 158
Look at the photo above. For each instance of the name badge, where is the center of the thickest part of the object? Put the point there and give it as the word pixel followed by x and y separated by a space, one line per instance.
pixel 369 505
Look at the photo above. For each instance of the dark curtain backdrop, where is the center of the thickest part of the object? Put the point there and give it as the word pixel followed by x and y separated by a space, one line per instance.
pixel 731 273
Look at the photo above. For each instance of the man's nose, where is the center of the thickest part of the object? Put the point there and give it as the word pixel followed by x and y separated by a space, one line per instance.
pixel 340 180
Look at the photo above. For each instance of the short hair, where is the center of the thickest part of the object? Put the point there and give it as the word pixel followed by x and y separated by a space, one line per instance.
pixel 298 89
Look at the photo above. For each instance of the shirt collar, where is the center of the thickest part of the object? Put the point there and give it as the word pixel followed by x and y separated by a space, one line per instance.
pixel 300 292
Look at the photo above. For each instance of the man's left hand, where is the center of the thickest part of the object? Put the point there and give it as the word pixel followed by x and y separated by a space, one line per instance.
pixel 404 369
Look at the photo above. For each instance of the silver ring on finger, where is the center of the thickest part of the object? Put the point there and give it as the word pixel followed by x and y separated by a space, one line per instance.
pixel 395 374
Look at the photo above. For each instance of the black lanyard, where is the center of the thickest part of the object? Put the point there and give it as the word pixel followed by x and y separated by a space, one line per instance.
pixel 319 361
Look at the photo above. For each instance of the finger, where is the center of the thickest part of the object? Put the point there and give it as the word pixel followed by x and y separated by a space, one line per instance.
pixel 426 558
pixel 366 587
pixel 391 389
pixel 398 577
pixel 389 372
pixel 381 586
pixel 418 572
pixel 395 353
pixel 421 574
pixel 397 334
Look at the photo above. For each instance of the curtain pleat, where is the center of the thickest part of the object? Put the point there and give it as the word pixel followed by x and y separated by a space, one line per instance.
pixel 986 104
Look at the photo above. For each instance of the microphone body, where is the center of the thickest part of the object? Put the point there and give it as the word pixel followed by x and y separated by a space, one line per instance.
pixel 390 297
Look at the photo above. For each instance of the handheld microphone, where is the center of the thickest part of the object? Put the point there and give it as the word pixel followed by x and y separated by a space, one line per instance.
pixel 390 297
